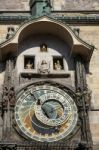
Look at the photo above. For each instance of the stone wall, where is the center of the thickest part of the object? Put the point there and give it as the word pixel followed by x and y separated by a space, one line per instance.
pixel 57 5
pixel 76 4
pixel 90 34
pixel 56 49
pixel 14 5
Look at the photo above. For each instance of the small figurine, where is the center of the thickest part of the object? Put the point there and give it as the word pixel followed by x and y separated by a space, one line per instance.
pixel 57 65
pixel 44 67
pixel 29 65
pixel 12 96
pixel 43 48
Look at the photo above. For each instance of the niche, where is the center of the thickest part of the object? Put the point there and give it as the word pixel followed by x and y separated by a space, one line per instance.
pixel 58 63
pixel 29 62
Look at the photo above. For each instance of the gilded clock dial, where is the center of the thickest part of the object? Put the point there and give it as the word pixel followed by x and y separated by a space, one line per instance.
pixel 46 113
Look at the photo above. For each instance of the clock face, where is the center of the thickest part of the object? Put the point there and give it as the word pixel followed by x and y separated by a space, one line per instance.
pixel 45 113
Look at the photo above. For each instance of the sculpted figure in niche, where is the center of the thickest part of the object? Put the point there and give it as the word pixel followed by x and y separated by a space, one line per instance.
pixel 43 48
pixel 29 65
pixel 57 65
pixel 44 67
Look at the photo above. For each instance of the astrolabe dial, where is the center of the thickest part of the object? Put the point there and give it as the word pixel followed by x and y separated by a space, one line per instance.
pixel 52 111
pixel 46 113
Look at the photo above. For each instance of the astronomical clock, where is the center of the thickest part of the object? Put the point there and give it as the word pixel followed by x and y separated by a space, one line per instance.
pixel 45 113
pixel 45 98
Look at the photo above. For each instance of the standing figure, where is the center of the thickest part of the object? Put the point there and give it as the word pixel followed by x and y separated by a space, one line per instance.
pixel 12 96
pixel 43 48
pixel 44 67
pixel 29 65
pixel 57 65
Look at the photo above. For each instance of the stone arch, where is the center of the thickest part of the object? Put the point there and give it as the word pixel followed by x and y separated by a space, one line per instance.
pixel 47 25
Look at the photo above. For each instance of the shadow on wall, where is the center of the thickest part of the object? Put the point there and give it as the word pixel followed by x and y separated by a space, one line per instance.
pixel 2 66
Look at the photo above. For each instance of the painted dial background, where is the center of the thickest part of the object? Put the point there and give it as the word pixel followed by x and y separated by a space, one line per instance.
pixel 56 106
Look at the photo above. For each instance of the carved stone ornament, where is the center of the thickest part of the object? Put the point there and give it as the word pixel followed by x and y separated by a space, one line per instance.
pixel 44 67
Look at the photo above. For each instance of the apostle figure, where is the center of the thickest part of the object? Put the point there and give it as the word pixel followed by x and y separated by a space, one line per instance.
pixel 29 65
pixel 57 65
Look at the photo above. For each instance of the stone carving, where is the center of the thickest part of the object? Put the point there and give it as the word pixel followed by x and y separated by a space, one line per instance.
pixel 12 96
pixel 29 65
pixel 57 65
pixel 5 97
pixel 44 67
pixel 8 98
pixel 88 95
pixel 10 33
pixel 43 48
pixel 77 31
pixel 83 96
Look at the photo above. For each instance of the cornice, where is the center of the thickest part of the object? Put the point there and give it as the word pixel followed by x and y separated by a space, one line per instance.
pixel 91 20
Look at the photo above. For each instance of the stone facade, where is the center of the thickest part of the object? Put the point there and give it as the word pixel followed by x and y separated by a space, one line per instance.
pixel 14 5
pixel 20 5
pixel 76 5
pixel 89 33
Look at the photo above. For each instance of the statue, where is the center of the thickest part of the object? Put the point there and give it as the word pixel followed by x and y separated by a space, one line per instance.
pixel 10 33
pixel 43 48
pixel 49 2
pixel 44 67
pixel 12 96
pixel 29 65
pixel 5 97
pixel 57 65
pixel 39 7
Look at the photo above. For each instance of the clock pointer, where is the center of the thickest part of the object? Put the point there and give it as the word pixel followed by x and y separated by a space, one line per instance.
pixel 37 99
pixel 45 111
pixel 53 110
pixel 33 96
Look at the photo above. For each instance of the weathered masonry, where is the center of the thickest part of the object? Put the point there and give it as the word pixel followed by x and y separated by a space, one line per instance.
pixel 49 86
